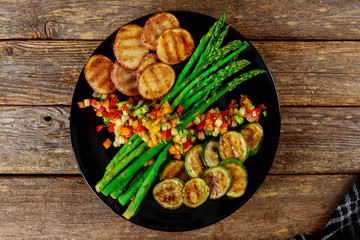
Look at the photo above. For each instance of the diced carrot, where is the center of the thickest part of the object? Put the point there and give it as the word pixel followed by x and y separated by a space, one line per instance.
pixel 81 104
pixel 231 112
pixel 107 143
pixel 166 111
pixel 202 117
pixel 172 150
pixel 208 122
pixel 223 130
pixel 151 161
pixel 173 123
pixel 106 104
pixel 155 129
pixel 190 124
pixel 142 133
pixel 177 156
pixel 99 113
pixel 166 104
pixel 135 124
pixel 154 140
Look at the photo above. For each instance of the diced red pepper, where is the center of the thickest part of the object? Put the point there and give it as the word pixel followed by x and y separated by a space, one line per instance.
pixel 242 99
pixel 180 109
pixel 231 106
pixel 131 101
pixel 187 144
pixel 262 106
pixel 124 107
pixel 224 113
pixel 168 134
pixel 99 127
pixel 163 135
pixel 201 125
pixel 113 100
pixel 95 104
pixel 111 127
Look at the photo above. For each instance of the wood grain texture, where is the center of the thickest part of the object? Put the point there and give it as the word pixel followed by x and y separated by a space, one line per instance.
pixel 65 208
pixel 306 73
pixel 270 19
pixel 313 140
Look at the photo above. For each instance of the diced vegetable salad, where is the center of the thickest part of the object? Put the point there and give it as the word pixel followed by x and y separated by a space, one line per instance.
pixel 156 122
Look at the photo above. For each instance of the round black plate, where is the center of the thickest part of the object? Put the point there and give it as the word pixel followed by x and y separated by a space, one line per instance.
pixel 93 158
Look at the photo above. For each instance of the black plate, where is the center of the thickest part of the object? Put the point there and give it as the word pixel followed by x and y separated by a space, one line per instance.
pixel 93 158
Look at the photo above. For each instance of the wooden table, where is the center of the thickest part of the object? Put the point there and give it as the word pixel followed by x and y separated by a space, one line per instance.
pixel 311 47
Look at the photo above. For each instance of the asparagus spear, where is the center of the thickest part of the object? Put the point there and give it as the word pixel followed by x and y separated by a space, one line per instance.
pixel 188 86
pixel 130 181
pixel 195 56
pixel 127 149
pixel 114 171
pixel 217 78
pixel 146 184
pixel 122 149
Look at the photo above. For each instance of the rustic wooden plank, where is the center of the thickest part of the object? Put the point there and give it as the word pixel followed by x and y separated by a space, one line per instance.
pixel 306 73
pixel 313 140
pixel 269 19
pixel 64 207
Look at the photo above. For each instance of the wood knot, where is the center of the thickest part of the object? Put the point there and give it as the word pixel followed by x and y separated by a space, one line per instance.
pixel 8 50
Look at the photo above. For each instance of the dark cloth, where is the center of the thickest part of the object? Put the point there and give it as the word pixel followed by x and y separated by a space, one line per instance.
pixel 344 223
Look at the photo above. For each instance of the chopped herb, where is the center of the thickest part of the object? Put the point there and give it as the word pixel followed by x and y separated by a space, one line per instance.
pixel 106 120
pixel 265 113
pixel 208 133
pixel 226 118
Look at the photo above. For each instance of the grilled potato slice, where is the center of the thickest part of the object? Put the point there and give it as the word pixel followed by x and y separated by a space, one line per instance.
pixel 128 48
pixel 98 74
pixel 155 25
pixel 124 79
pixel 156 80
pixel 147 60
pixel 175 46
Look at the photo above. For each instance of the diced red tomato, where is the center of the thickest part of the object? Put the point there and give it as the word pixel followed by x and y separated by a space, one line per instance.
pixel 224 113
pixel 124 107
pixel 113 101
pixel 157 106
pixel 163 135
pixel 255 113
pixel 189 124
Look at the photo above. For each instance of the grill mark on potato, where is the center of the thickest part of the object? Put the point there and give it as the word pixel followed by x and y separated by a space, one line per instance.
pixel 98 74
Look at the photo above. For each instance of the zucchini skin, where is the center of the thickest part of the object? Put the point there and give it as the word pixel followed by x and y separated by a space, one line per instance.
pixel 224 138
pixel 189 164
pixel 202 192
pixel 204 150
pixel 227 164
pixel 215 183
pixel 179 183
pixel 253 149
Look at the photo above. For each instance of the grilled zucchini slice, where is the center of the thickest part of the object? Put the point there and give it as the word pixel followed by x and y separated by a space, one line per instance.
pixel 168 193
pixel 210 153
pixel 174 169
pixel 219 181
pixel 233 145
pixel 254 135
pixel 193 163
pixel 195 192
pixel 239 176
